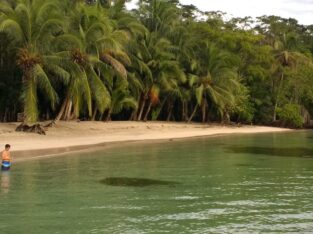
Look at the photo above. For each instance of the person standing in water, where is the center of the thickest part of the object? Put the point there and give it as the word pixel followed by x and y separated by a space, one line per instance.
pixel 6 158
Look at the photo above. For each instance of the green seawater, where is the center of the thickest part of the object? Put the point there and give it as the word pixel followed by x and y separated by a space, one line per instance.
pixel 225 184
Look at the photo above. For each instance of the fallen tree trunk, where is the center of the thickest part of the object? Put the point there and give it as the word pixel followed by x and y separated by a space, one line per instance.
pixel 36 128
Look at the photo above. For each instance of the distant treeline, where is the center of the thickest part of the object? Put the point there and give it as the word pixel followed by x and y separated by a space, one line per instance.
pixel 96 60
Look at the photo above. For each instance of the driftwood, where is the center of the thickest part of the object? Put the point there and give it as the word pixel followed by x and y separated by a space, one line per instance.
pixel 36 128
pixel 51 124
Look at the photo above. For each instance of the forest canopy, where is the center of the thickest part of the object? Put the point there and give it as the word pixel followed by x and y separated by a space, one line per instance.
pixel 97 60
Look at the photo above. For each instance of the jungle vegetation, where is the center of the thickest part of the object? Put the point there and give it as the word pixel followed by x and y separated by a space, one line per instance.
pixel 97 60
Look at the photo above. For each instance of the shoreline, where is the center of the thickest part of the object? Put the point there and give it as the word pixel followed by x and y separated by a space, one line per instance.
pixel 76 137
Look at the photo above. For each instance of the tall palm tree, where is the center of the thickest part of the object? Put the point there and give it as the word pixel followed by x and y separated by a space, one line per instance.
pixel 33 25
pixel 94 52
pixel 286 59
pixel 214 81
pixel 154 58
pixel 154 63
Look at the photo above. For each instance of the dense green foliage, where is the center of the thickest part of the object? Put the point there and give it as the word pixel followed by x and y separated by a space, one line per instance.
pixel 163 61
pixel 290 115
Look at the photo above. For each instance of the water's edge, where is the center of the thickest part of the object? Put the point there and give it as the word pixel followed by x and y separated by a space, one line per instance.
pixel 26 155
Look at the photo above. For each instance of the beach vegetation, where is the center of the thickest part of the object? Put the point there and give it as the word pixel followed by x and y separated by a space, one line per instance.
pixel 98 60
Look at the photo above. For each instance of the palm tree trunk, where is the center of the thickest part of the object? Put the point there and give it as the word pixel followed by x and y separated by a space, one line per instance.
pixel 5 119
pixel 169 115
pixel 193 113
pixel 141 109
pixel 73 116
pixel 148 111
pixel 275 111
pixel 108 118
pixel 183 113
pixel 277 97
pixel 61 112
pixel 93 118
pixel 68 110
pixel 170 111
pixel 203 107
pixel 101 117
pixel 134 114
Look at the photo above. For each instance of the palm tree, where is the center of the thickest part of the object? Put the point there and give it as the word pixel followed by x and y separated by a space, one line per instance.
pixel 284 36
pixel 154 58
pixel 30 23
pixel 286 59
pixel 121 99
pixel 155 65
pixel 94 52
pixel 159 16
pixel 214 81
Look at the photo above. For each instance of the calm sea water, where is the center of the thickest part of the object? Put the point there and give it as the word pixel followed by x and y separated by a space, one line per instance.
pixel 237 183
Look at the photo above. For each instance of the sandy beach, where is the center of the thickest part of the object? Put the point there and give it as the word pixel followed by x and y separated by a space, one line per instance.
pixel 65 137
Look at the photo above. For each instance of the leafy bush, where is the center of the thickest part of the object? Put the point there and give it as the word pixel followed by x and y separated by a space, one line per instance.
pixel 290 116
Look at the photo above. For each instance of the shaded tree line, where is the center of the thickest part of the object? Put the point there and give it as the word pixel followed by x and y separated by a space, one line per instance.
pixel 97 60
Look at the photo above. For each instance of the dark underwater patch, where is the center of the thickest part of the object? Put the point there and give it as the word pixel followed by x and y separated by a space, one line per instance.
pixel 243 165
pixel 135 182
pixel 273 151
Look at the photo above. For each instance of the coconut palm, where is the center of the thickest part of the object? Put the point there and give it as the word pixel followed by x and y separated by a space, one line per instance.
pixel 155 65
pixel 161 17
pixel 30 23
pixel 214 81
pixel 154 57
pixel 94 55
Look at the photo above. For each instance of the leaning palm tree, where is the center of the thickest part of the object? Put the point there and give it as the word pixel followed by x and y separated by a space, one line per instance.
pixel 94 53
pixel 33 25
pixel 154 64
pixel 214 81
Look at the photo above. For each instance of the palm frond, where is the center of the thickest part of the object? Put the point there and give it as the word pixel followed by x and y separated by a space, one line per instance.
pixel 43 82
pixel 99 92
pixel 119 67
pixel 12 28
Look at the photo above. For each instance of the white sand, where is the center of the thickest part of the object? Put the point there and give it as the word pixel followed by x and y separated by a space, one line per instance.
pixel 73 134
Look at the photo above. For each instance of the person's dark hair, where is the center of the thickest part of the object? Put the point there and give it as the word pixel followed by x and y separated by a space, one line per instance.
pixel 7 146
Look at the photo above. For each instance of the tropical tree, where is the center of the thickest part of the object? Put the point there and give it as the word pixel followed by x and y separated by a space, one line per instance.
pixel 95 59
pixel 29 23
pixel 94 55
pixel 284 35
pixel 214 81
pixel 155 65
pixel 154 58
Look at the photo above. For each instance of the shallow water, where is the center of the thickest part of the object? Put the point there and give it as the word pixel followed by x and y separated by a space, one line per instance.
pixel 236 183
